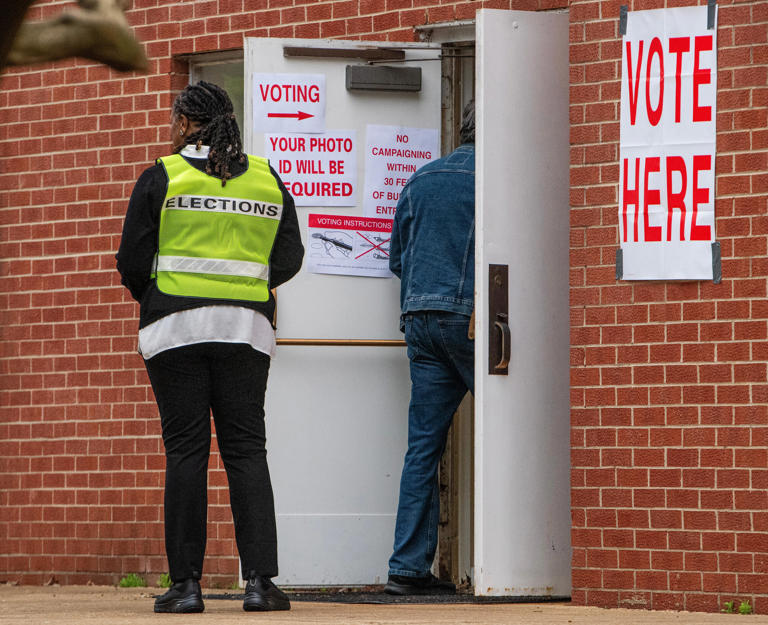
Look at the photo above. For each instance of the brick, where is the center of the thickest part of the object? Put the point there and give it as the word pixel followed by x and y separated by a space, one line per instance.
pixel 667 560
pixel 586 578
pixel 685 581
pixel 645 417
pixel 666 519
pixel 658 580
pixel 602 558
pixel 735 563
pixel 733 520
pixel 632 518
pixel 750 500
pixel 649 498
pixel 631 477
pixel 752 543
pixel 618 579
pixel 602 598
pixel 651 539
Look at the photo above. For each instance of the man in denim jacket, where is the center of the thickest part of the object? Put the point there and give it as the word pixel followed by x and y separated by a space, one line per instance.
pixel 433 254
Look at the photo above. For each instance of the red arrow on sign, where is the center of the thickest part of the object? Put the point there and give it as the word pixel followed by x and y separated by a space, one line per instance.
pixel 299 116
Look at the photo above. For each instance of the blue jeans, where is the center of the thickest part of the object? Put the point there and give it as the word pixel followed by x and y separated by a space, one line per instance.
pixel 442 371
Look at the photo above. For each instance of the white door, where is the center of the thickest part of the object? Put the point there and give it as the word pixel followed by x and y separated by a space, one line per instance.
pixel 522 520
pixel 337 416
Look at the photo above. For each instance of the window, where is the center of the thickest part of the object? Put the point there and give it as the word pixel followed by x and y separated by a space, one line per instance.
pixel 226 70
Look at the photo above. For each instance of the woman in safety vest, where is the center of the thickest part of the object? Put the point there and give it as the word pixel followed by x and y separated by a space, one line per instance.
pixel 208 233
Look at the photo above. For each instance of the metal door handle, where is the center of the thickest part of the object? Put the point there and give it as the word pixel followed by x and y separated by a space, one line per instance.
pixel 499 335
pixel 506 340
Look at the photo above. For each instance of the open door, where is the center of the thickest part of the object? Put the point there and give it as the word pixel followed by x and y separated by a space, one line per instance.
pixel 522 519
pixel 337 414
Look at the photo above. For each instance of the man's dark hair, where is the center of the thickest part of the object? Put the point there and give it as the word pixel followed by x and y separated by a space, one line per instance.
pixel 210 105
pixel 467 130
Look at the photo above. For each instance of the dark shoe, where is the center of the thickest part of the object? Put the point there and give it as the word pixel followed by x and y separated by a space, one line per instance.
pixel 261 595
pixel 429 585
pixel 181 597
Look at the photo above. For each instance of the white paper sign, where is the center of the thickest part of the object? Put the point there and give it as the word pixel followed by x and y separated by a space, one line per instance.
pixel 346 245
pixel 667 146
pixel 392 156
pixel 317 169
pixel 289 102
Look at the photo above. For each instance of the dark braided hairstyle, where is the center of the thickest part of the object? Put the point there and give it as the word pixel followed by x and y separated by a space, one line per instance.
pixel 210 105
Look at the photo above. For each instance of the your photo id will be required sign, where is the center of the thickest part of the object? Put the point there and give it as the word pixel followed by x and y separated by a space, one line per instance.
pixel 667 145
pixel 317 169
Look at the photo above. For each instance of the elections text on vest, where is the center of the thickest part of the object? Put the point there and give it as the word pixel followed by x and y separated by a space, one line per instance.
pixel 239 206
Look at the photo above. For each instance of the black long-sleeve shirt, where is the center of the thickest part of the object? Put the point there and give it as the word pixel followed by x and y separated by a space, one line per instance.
pixel 139 244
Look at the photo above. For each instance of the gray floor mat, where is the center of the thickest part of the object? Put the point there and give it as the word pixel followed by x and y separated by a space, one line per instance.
pixel 379 597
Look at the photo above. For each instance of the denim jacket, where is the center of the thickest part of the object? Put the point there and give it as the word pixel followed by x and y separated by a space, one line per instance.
pixel 433 236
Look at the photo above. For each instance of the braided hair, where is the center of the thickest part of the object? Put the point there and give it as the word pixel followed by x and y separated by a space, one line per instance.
pixel 210 105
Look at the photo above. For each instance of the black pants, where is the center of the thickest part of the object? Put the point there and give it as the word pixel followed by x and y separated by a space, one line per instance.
pixel 229 380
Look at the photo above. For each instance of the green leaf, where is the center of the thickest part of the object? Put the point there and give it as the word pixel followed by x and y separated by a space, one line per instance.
pixel 745 608
pixel 132 580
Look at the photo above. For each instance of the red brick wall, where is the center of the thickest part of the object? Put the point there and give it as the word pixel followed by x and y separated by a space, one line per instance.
pixel 668 380
pixel 81 463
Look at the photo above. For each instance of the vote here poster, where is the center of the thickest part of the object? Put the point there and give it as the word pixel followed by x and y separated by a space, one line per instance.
pixel 348 245
pixel 317 169
pixel 667 145
pixel 392 156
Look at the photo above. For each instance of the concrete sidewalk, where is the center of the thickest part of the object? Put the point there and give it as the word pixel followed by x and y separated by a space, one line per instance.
pixel 105 605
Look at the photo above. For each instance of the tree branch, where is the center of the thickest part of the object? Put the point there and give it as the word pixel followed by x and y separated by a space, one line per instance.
pixel 97 31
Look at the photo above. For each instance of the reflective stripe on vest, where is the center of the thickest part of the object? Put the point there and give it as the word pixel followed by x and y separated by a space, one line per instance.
pixel 216 241
pixel 218 266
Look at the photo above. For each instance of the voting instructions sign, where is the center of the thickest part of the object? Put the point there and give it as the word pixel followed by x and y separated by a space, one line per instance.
pixel 317 169
pixel 289 102
pixel 392 156
pixel 346 245
pixel 667 145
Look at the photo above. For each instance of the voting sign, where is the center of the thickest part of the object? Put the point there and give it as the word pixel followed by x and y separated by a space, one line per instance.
pixel 317 169
pixel 667 145
pixel 289 102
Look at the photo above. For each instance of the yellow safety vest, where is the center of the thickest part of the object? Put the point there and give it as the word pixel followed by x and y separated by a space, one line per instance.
pixel 216 241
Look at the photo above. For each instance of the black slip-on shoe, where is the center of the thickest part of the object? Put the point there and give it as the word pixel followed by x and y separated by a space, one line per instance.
pixel 261 595
pixel 429 585
pixel 182 597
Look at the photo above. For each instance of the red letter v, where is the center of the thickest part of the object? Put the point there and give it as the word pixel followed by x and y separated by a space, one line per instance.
pixel 633 91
